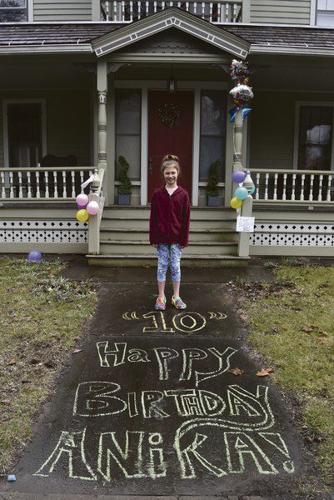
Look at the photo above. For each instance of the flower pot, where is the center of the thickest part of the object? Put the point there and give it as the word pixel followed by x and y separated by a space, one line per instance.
pixel 124 199
pixel 213 201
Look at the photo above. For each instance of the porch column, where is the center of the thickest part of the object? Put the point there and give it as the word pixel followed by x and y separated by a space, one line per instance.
pixel 102 91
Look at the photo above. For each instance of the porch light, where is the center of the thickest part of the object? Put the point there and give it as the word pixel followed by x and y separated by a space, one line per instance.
pixel 171 85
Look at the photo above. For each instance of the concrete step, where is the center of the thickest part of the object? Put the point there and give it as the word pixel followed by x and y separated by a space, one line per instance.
pixel 143 224
pixel 130 247
pixel 215 261
pixel 143 213
pixel 196 235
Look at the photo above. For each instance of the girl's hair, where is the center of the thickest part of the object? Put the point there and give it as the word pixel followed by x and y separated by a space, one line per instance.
pixel 170 160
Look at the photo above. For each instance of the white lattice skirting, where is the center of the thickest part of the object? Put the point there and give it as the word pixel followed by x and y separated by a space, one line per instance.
pixel 293 235
pixel 60 236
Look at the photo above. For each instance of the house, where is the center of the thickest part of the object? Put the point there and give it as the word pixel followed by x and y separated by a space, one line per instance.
pixel 85 82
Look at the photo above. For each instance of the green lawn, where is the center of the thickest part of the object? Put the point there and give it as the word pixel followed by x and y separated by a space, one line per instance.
pixel 292 325
pixel 41 318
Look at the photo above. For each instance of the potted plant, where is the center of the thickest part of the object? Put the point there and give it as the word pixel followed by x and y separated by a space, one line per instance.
pixel 212 185
pixel 124 187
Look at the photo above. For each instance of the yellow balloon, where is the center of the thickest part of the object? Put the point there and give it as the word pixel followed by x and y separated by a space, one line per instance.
pixel 82 215
pixel 236 203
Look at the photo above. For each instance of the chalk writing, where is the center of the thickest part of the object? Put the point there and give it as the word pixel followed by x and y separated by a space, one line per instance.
pixel 112 355
pixel 229 430
pixel 141 454
pixel 186 322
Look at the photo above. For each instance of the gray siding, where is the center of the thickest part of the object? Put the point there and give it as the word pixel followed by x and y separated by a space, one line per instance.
pixel 62 10
pixel 280 11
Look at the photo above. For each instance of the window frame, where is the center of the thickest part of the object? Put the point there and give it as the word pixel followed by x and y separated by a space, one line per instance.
pixel 6 102
pixel 322 11
pixel 299 104
pixel 139 135
pixel 223 136
pixel 27 7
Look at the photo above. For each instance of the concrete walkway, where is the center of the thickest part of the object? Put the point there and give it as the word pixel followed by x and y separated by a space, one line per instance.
pixel 163 405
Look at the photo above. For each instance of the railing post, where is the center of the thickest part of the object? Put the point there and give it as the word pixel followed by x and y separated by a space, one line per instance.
pixel 94 225
pixel 246 211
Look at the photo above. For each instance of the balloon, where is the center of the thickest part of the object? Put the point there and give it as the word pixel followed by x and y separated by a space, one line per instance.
pixel 252 190
pixel 238 176
pixel 82 200
pixel 82 215
pixel 92 208
pixel 34 256
pixel 235 203
pixel 241 193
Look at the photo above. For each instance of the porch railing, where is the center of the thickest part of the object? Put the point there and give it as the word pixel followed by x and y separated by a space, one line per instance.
pixel 127 11
pixel 299 187
pixel 40 184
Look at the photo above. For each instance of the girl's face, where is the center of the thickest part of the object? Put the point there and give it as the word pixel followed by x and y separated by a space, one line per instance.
pixel 170 175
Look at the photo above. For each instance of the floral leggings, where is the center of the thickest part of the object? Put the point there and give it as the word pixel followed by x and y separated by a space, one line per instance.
pixel 169 255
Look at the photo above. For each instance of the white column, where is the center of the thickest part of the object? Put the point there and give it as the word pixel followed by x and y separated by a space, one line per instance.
pixel 102 90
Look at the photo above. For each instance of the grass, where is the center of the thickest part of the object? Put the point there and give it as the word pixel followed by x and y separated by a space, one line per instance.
pixel 41 316
pixel 292 325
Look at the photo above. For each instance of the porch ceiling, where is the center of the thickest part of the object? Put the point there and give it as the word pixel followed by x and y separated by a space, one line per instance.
pixel 171 19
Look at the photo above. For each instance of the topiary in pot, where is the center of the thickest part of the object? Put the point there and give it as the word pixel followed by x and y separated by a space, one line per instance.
pixel 125 186
pixel 211 189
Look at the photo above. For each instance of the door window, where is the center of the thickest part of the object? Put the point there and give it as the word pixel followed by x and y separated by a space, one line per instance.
pixel 128 130
pixel 213 131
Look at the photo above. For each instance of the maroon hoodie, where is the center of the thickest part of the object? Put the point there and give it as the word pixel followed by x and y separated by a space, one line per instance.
pixel 170 217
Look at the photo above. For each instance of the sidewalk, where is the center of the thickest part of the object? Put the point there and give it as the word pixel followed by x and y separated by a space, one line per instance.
pixel 163 405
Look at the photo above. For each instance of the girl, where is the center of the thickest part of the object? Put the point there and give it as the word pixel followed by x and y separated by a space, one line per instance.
pixel 169 229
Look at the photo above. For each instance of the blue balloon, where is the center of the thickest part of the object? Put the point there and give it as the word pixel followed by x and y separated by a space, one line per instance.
pixel 241 193
pixel 238 176
pixel 34 256
pixel 252 190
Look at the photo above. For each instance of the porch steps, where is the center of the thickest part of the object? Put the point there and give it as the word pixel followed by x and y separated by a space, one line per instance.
pixel 124 238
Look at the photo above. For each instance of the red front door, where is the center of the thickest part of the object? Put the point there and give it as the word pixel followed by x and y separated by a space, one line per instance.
pixel 170 130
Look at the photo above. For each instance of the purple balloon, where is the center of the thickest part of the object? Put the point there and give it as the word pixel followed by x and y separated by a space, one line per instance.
pixel 34 256
pixel 238 176
pixel 92 207
pixel 82 200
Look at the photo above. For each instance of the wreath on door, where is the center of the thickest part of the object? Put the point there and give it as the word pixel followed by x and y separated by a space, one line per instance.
pixel 169 114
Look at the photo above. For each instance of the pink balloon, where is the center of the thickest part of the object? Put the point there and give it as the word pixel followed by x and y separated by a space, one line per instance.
pixel 92 207
pixel 82 200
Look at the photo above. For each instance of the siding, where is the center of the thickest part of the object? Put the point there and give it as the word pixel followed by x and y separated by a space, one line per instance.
pixel 280 11
pixel 62 10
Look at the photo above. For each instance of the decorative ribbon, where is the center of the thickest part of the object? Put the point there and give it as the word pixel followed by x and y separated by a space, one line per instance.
pixel 233 111
pixel 88 181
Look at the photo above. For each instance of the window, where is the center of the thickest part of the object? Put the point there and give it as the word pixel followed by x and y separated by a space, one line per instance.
pixel 325 13
pixel 315 137
pixel 213 118
pixel 128 129
pixel 13 11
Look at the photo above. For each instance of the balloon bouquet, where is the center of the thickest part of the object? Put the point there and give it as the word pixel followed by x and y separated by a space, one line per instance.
pixel 246 188
pixel 241 95
pixel 86 207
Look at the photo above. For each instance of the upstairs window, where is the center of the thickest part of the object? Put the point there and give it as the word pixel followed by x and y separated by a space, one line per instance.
pixel 325 13
pixel 13 11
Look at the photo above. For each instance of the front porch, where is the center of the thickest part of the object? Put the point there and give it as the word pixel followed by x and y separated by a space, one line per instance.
pixel 160 93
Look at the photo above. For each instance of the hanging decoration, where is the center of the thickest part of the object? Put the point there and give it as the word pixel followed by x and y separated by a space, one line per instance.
pixel 241 94
pixel 169 114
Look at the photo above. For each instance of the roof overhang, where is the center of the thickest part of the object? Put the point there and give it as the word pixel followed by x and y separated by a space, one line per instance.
pixel 164 20
pixel 291 51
